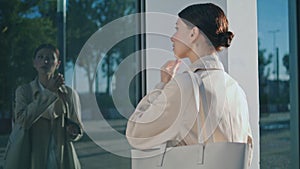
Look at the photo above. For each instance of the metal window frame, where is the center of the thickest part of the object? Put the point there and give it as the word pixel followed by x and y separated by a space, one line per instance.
pixel 294 27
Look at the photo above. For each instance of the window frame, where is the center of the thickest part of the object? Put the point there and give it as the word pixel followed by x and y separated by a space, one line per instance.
pixel 294 27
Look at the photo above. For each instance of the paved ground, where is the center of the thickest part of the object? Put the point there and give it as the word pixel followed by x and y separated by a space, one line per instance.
pixel 275 144
pixel 91 155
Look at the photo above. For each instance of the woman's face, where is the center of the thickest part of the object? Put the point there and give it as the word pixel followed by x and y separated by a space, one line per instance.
pixel 46 61
pixel 181 39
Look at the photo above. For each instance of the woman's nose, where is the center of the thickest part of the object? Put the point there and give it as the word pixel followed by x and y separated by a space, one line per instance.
pixel 46 60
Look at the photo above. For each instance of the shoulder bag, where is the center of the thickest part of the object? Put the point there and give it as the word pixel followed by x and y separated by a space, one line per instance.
pixel 18 149
pixel 17 154
pixel 70 156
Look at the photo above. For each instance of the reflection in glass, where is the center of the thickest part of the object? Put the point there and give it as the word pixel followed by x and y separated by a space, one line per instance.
pixel 26 24
pixel 95 75
pixel 273 58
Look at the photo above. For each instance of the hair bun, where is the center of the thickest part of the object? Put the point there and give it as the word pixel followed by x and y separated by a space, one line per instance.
pixel 225 38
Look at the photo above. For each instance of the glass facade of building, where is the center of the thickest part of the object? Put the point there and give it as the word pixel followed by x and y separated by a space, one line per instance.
pixel 26 24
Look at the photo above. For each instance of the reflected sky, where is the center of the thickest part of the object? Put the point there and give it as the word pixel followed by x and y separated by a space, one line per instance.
pixel 273 17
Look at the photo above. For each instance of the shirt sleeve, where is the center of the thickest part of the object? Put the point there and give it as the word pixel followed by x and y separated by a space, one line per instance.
pixel 156 118
pixel 28 109
pixel 75 111
pixel 250 143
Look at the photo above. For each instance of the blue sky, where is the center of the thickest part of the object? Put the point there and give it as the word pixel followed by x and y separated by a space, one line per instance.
pixel 273 15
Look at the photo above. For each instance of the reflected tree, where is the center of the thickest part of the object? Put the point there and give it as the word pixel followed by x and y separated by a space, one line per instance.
pixel 26 24
pixel 22 29
pixel 81 25
pixel 264 73
pixel 263 62
pixel 286 62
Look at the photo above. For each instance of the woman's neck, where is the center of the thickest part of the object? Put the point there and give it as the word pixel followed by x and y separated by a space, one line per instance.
pixel 199 52
pixel 43 79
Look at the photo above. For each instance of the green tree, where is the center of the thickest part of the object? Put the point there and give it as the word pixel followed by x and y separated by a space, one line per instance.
pixel 286 62
pixel 81 25
pixel 22 29
pixel 263 75
pixel 263 62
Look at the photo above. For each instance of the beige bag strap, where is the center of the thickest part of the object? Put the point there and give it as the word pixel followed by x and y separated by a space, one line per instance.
pixel 213 127
pixel 196 86
pixel 163 147
pixel 197 101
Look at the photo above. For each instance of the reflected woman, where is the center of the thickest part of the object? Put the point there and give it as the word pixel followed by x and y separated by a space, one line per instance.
pixel 49 110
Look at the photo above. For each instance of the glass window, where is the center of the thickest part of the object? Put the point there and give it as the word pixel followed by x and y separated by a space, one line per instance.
pixel 23 26
pixel 97 52
pixel 26 24
pixel 274 80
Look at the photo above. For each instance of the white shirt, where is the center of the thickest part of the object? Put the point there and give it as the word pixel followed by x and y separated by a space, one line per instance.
pixel 49 112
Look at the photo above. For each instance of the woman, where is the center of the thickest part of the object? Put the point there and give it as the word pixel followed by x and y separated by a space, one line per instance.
pixel 169 112
pixel 49 109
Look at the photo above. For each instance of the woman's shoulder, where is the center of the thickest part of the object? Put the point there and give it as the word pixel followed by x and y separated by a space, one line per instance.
pixel 25 87
pixel 183 78
pixel 71 91
pixel 231 83
pixel 69 88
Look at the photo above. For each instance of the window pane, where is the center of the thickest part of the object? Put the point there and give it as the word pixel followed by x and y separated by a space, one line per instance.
pixel 98 75
pixel 26 24
pixel 274 84
pixel 23 27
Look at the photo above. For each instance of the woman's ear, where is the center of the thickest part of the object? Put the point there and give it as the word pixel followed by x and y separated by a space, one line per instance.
pixel 194 34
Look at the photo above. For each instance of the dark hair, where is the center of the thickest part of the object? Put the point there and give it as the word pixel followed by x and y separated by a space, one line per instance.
pixel 211 20
pixel 47 46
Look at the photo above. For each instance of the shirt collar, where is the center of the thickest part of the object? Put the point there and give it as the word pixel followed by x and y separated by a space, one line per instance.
pixel 209 62
pixel 35 86
pixel 40 85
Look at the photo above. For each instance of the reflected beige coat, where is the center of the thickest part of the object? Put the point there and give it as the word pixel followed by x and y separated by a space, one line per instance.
pixel 32 111
pixel 169 111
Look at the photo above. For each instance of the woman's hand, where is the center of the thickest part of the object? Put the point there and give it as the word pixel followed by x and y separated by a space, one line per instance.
pixel 73 130
pixel 55 83
pixel 169 69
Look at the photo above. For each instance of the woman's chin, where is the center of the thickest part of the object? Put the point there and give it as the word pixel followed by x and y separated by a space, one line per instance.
pixel 45 73
pixel 178 56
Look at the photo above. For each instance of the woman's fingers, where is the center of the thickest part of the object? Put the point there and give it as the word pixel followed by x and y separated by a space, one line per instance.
pixel 171 66
pixel 59 80
pixel 55 83
pixel 169 70
pixel 176 65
